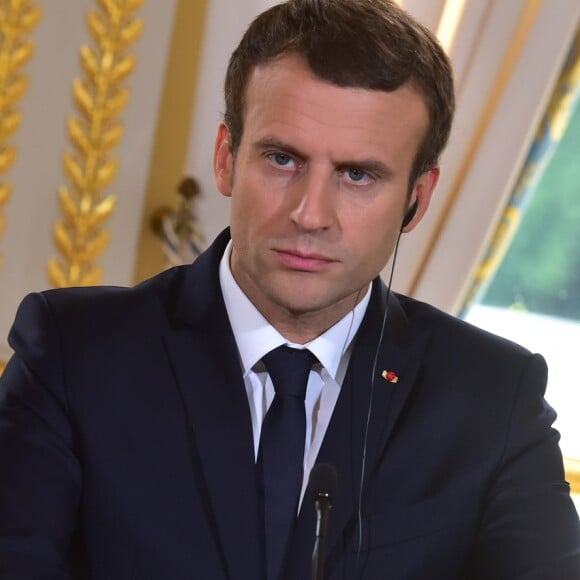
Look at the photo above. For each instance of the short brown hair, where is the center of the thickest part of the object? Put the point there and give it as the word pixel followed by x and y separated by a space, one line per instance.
pixel 370 44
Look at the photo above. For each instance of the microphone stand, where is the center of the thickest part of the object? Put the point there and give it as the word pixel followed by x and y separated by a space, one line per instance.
pixel 323 506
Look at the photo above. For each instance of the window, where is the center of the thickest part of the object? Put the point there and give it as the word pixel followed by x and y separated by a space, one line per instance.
pixel 534 298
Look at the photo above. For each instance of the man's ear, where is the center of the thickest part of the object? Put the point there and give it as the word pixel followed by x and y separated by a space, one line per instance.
pixel 223 161
pixel 421 196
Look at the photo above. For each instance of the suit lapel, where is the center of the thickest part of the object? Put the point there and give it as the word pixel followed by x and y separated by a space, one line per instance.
pixel 355 432
pixel 206 363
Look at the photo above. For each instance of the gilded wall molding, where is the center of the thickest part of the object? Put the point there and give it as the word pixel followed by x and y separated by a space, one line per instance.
pixel 95 131
pixel 18 18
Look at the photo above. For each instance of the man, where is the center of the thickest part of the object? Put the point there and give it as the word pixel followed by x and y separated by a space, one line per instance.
pixel 140 429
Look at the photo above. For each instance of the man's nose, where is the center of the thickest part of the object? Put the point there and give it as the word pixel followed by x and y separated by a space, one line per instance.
pixel 315 200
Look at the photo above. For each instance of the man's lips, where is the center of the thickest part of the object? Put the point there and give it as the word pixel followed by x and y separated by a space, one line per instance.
pixel 307 262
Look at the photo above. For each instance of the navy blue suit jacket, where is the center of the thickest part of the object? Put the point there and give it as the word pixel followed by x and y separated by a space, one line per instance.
pixel 126 446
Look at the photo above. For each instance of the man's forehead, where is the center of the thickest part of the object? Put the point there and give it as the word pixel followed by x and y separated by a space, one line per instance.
pixel 287 82
pixel 270 72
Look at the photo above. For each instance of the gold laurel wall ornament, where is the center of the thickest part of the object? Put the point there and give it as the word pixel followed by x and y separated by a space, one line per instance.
pixel 17 20
pixel 100 98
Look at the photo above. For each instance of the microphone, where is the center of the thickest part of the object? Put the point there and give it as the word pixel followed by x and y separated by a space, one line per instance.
pixel 322 485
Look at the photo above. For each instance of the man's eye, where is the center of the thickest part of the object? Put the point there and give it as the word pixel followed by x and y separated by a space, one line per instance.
pixel 280 159
pixel 358 176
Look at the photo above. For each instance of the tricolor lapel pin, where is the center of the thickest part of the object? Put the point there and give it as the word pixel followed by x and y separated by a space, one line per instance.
pixel 390 376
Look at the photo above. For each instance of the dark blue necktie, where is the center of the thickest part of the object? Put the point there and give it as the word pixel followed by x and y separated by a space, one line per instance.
pixel 281 451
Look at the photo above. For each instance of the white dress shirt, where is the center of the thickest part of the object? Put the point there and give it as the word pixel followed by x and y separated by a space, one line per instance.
pixel 255 337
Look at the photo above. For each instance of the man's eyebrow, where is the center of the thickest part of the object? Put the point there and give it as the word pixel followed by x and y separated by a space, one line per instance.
pixel 273 143
pixel 372 166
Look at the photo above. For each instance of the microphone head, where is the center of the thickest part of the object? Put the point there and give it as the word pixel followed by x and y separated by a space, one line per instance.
pixel 323 482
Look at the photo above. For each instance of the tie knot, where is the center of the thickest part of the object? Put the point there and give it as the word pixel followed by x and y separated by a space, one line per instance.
pixel 288 368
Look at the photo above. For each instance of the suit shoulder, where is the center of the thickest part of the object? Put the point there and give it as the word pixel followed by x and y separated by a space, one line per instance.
pixel 99 309
pixel 471 362
pixel 96 299
pixel 449 329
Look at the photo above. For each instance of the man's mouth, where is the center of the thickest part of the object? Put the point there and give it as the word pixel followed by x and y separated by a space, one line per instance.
pixel 303 261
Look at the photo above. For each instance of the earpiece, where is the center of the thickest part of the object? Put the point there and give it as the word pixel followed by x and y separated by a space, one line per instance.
pixel 409 217
pixel 410 214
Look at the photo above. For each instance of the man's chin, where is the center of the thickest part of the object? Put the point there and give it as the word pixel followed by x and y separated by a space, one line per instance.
pixel 304 304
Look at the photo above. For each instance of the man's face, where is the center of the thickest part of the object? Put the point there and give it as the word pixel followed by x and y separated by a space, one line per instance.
pixel 319 189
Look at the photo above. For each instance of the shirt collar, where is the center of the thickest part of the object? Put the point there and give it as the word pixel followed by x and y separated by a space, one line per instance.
pixel 255 336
